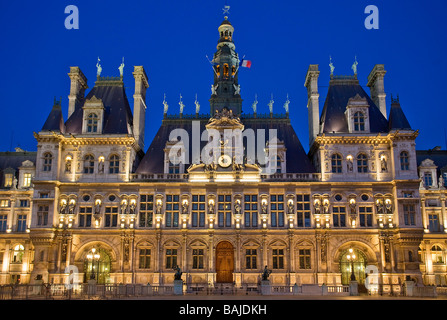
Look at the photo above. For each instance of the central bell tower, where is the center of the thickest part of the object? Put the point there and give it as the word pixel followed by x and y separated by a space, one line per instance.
pixel 225 91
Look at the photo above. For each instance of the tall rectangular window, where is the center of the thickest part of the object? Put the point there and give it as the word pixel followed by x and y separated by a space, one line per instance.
pixel 171 258
pixel 428 179
pixel 3 222
pixel 278 258
pixel 303 210
pixel 433 222
pixel 146 210
pixel 111 217
pixel 251 259
pixel 250 211
pixel 172 211
pixel 277 210
pixel 4 203
pixel 21 223
pixel 409 215
pixel 26 180
pixel 197 258
pixel 8 180
pixel 85 217
pixel 145 258
pixel 304 258
pixel 198 211
pixel 339 216
pixel 224 211
pixel 365 216
pixel 42 215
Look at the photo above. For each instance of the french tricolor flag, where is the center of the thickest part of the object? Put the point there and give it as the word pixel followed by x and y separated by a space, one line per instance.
pixel 245 63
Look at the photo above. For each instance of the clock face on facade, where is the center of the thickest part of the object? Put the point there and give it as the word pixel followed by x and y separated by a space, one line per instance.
pixel 224 161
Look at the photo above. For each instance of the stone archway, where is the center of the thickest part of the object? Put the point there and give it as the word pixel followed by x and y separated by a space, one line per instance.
pixel 224 262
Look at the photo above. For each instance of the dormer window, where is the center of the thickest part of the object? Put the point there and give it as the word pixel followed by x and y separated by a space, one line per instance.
pixel 8 180
pixel 93 116
pixel 428 179
pixel 357 113
pixel 359 121
pixel 92 123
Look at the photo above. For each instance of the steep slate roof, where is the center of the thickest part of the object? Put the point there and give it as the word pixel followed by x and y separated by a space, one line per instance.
pixel 297 160
pixel 397 118
pixel 117 114
pixel 340 91
pixel 55 120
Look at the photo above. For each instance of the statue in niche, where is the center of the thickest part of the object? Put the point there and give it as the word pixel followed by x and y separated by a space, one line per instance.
pixel 383 164
pixel 68 165
pixel 63 208
pixel 264 207
pixel 379 205
pixel 237 207
pixel 185 207
pixel 290 208
pixel 159 208
pixel 101 167
pixel 97 208
pixel 317 207
pixel 388 207
pixel 71 208
pixel 349 165
pixel 211 208
pixel 123 207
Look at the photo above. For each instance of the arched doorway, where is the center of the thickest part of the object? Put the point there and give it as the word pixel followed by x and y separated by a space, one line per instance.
pixel 224 262
pixel 353 262
pixel 97 264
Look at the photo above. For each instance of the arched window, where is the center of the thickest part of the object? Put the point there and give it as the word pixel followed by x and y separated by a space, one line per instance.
pixel 436 254
pixel 97 265
pixel 89 164
pixel 114 164
pixel 17 254
pixel 226 70
pixel 359 121
pixel 92 123
pixel 353 263
pixel 336 163
pixel 47 161
pixel 362 163
pixel 404 161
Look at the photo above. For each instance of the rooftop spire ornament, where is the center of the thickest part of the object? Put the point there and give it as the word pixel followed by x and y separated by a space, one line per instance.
pixel 286 105
pixel 98 68
pixel 255 103
pixel 331 65
pixel 270 104
pixel 197 105
pixel 165 105
pixel 354 65
pixel 181 104
pixel 121 68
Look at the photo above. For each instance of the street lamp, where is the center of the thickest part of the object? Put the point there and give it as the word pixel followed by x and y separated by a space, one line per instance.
pixel 351 257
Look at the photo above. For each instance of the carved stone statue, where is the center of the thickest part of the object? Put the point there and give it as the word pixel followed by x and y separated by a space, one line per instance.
pixel 121 68
pixel 178 273
pixel 290 208
pixel 63 208
pixel 266 273
pixel 98 68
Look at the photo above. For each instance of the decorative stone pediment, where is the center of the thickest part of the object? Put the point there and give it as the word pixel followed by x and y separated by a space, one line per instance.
pixel 27 163
pixel 428 163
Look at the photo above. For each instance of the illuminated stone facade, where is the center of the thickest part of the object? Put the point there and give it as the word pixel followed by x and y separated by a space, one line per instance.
pixel 121 214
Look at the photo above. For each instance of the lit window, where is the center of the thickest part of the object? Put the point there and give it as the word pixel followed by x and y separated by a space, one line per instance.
pixel 336 163
pixel 114 164
pixel 17 254
pixel 404 161
pixel 362 163
pixel 89 164
pixel 436 254
pixel 47 161
pixel 26 180
pixel 4 203
pixel 359 121
pixel 8 180
pixel 92 122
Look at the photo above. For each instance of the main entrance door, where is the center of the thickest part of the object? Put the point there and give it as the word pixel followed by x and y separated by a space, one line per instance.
pixel 224 262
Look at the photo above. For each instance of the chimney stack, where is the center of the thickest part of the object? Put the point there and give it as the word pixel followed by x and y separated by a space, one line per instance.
pixel 139 105
pixel 376 86
pixel 311 84
pixel 78 86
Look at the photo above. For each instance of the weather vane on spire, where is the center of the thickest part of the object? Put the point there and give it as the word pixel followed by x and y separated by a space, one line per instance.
pixel 226 10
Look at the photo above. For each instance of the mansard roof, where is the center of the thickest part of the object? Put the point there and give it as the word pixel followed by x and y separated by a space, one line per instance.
pixel 117 112
pixel 297 160
pixel 341 89
pixel 438 156
pixel 11 161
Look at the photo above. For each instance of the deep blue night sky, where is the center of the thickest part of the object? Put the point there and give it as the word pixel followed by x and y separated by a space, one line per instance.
pixel 171 39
